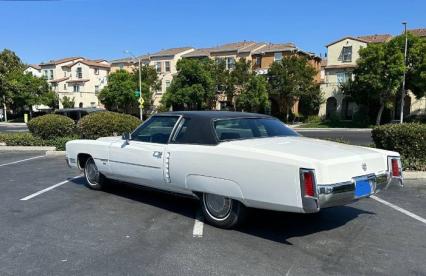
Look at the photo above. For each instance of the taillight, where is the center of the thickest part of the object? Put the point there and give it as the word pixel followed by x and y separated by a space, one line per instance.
pixel 308 181
pixel 395 168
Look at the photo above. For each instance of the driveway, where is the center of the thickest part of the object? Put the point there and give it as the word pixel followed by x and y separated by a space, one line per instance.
pixel 51 224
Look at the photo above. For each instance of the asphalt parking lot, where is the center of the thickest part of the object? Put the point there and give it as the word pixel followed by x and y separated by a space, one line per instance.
pixel 51 226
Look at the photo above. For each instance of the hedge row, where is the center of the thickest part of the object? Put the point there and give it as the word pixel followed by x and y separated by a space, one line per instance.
pixel 407 139
pixel 92 126
pixel 27 139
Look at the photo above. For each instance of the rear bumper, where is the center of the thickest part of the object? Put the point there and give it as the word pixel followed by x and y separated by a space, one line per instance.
pixel 343 193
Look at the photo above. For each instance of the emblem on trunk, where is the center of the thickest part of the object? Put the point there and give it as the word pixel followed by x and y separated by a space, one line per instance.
pixel 364 166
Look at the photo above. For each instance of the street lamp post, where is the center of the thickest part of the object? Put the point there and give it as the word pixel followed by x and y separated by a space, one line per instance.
pixel 140 84
pixel 401 119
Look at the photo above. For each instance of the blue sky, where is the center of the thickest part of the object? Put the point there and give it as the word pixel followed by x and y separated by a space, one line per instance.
pixel 43 30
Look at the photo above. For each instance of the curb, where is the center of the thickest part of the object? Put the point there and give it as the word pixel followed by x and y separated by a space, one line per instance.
pixel 414 175
pixel 25 148
pixel 55 153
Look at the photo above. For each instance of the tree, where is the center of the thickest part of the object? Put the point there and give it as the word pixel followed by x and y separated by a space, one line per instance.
pixel 51 99
pixel 378 77
pixel 150 83
pixel 193 87
pixel 289 79
pixel 254 96
pixel 119 94
pixel 68 102
pixel 237 79
pixel 309 103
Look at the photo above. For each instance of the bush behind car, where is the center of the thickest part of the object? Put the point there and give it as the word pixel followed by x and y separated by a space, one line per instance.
pixel 51 126
pixel 408 139
pixel 106 123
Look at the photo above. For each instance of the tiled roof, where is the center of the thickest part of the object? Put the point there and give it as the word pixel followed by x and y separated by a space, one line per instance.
pixel 78 80
pixel 35 66
pixel 202 52
pixel 271 47
pixel 129 59
pixel 341 66
pixel 59 61
pixel 59 80
pixel 235 46
pixel 170 52
pixel 377 38
pixel 252 47
pixel 89 63
pixel 418 32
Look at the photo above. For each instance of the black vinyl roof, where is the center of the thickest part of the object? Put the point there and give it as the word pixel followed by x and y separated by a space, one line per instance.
pixel 200 124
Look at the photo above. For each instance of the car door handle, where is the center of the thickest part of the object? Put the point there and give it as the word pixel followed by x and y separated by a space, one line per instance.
pixel 157 154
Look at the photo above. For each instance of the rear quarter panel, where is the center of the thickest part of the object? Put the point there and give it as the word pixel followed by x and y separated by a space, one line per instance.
pixel 98 150
pixel 256 179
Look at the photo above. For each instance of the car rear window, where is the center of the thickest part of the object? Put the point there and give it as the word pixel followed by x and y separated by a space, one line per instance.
pixel 250 128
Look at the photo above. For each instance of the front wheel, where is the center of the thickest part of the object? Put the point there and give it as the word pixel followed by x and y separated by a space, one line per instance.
pixel 94 179
pixel 222 211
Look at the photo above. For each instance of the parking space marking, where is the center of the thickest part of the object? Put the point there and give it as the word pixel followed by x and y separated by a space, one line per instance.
pixel 198 225
pixel 23 160
pixel 49 188
pixel 402 210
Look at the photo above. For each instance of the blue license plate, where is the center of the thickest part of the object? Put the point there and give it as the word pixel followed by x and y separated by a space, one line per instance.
pixel 362 188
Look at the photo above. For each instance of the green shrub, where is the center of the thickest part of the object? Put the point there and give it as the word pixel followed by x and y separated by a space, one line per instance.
pixel 27 139
pixel 313 119
pixel 407 139
pixel 106 123
pixel 51 126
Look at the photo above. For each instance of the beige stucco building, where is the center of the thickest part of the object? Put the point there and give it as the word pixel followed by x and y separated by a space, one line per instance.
pixel 77 78
pixel 33 69
pixel 342 56
pixel 129 64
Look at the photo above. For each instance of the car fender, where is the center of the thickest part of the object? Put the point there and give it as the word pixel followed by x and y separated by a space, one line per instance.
pixel 214 185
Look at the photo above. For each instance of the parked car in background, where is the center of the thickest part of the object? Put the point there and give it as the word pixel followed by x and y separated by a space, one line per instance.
pixel 77 113
pixel 233 160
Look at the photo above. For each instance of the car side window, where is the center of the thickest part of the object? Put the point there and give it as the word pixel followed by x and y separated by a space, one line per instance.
pixel 157 130
pixel 181 132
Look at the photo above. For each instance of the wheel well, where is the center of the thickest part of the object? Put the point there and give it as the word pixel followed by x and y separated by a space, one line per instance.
pixel 82 158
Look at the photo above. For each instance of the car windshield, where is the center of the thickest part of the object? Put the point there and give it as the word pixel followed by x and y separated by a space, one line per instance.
pixel 250 128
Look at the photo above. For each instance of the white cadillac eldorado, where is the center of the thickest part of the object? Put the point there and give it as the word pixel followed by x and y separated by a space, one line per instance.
pixel 233 160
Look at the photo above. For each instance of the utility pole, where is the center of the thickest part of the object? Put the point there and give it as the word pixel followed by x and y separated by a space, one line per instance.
pixel 4 108
pixel 140 84
pixel 401 119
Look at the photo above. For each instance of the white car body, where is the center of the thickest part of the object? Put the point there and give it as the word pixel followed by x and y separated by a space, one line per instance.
pixel 262 173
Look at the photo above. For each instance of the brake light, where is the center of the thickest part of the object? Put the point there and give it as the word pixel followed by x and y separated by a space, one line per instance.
pixel 395 168
pixel 309 183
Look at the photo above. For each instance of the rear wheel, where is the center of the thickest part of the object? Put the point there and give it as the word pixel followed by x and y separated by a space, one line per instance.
pixel 222 211
pixel 94 179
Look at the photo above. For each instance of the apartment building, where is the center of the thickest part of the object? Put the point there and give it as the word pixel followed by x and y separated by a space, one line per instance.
pixel 342 56
pixel 77 78
pixel 129 64
pixel 164 63
pixel 34 69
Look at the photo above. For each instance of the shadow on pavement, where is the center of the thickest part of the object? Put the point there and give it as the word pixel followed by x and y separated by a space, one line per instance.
pixel 271 225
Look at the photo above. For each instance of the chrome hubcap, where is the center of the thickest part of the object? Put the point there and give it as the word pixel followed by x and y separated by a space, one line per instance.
pixel 218 206
pixel 92 173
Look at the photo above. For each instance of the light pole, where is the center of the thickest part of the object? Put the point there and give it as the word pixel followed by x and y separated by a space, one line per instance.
pixel 401 119
pixel 140 84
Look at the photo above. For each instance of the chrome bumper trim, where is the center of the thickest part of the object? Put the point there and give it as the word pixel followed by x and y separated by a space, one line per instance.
pixel 343 193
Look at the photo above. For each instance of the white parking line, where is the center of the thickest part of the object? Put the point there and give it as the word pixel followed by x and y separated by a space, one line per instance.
pixel 23 160
pixel 408 213
pixel 198 225
pixel 49 188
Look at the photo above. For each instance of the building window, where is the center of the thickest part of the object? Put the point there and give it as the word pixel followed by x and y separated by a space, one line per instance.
pixel 76 88
pixel 230 63
pixel 79 73
pixel 93 104
pixel 51 75
pixel 65 74
pixel 45 73
pixel 278 56
pixel 346 54
pixel 121 66
pixel 167 66
pixel 65 86
pixel 167 84
pixel 96 88
pixel 342 77
pixel 96 71
pixel 258 61
pixel 158 67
